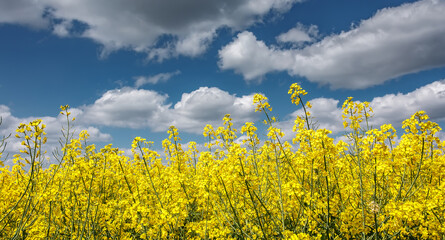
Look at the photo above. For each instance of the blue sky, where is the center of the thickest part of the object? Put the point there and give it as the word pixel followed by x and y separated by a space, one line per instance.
pixel 134 68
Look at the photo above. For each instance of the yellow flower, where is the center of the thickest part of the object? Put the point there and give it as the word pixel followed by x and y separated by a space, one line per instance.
pixel 296 92
pixel 260 101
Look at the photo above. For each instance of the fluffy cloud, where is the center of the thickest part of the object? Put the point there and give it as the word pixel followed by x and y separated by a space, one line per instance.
pixel 208 106
pixel 161 77
pixel 190 25
pixel 394 42
pixel 252 58
pixel 299 34
pixel 390 108
pixel 398 107
pixel 140 108
pixel 126 107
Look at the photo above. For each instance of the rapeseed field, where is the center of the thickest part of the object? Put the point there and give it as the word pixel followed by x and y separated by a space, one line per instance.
pixel 366 187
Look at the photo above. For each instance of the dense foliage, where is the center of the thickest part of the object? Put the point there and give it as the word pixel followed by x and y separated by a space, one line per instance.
pixel 366 187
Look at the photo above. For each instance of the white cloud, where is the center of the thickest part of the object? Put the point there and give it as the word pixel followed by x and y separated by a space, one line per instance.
pixel 161 77
pixel 195 43
pixel 126 107
pixel 208 106
pixel 395 108
pixel 390 108
pixel 299 34
pixel 140 108
pixel 252 58
pixel 394 42
pixel 138 25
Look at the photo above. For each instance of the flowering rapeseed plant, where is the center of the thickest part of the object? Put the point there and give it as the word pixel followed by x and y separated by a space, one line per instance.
pixel 367 187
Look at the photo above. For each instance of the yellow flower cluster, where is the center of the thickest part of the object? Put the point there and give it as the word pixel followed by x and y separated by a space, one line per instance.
pixel 296 93
pixel 261 103
pixel 367 187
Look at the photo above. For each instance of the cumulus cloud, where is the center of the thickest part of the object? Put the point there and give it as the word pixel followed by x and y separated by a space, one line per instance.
pixel 195 43
pixel 126 107
pixel 394 42
pixel 299 34
pixel 398 107
pixel 139 25
pixel 390 108
pixel 208 106
pixel 140 108
pixel 161 77
pixel 252 58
